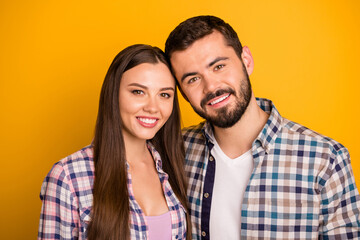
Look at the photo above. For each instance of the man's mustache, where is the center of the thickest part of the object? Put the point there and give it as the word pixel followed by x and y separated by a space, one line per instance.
pixel 219 92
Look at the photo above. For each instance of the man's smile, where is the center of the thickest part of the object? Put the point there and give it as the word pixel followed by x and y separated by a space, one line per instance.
pixel 219 99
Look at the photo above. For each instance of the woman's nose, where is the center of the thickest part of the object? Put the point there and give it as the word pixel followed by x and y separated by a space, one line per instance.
pixel 151 105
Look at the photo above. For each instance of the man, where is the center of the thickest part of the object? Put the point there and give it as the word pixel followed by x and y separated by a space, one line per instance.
pixel 252 173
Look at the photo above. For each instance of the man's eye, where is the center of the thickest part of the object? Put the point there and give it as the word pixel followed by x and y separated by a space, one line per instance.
pixel 191 80
pixel 137 92
pixel 218 67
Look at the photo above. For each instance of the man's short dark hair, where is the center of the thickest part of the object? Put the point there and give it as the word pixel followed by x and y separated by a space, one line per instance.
pixel 195 28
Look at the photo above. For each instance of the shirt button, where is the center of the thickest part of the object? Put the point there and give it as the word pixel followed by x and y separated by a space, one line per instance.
pixel 206 195
pixel 211 158
pixel 203 233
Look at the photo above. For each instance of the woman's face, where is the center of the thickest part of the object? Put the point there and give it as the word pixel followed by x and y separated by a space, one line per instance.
pixel 146 98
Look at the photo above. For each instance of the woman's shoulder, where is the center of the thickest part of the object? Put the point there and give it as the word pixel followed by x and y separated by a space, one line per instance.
pixel 68 186
pixel 78 163
pixel 81 157
pixel 75 171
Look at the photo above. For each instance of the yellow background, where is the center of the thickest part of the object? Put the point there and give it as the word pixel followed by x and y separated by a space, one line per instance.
pixel 54 56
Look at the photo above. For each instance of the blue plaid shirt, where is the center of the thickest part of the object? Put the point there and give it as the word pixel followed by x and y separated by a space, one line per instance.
pixel 67 197
pixel 302 185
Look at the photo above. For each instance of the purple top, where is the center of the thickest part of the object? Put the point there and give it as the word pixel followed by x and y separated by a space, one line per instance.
pixel 159 226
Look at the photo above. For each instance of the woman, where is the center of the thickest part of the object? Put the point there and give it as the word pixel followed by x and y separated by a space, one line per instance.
pixel 129 184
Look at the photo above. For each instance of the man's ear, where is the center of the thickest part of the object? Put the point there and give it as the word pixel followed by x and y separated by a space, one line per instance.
pixel 247 59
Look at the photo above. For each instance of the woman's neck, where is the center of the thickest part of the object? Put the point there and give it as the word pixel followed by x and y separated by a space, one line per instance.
pixel 137 151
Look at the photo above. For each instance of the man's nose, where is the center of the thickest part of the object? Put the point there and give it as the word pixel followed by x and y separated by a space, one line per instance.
pixel 211 83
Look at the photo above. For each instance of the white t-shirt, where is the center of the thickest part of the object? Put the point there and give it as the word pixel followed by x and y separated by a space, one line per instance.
pixel 231 179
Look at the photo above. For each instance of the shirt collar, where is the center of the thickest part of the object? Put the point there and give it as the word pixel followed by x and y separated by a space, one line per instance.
pixel 267 135
pixel 273 126
pixel 208 131
pixel 156 156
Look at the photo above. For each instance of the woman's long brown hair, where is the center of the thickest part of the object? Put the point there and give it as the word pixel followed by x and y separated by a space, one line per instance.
pixel 110 211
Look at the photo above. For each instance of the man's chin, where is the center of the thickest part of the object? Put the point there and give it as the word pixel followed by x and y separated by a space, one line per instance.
pixel 221 117
pixel 206 115
pixel 221 120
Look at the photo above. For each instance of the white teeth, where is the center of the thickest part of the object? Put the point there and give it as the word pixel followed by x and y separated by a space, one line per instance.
pixel 219 99
pixel 147 120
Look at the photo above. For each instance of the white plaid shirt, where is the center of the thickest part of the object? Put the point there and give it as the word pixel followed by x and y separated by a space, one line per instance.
pixel 302 185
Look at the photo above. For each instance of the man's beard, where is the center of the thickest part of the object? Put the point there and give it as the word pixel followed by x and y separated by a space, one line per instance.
pixel 226 117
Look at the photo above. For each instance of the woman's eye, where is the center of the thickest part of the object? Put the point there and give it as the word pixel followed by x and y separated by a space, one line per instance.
pixel 218 67
pixel 137 92
pixel 165 95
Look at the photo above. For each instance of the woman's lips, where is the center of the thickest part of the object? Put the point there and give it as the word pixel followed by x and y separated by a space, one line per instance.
pixel 148 122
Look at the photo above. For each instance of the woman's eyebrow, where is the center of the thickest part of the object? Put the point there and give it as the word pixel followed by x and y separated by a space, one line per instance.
pixel 145 87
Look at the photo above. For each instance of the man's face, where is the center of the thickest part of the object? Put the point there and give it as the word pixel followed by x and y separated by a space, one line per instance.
pixel 214 80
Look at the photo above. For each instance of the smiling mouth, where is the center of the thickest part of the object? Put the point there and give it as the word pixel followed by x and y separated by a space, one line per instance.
pixel 147 120
pixel 219 99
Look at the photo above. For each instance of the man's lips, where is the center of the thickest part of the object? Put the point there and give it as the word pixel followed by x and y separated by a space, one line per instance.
pixel 215 99
pixel 218 99
pixel 147 121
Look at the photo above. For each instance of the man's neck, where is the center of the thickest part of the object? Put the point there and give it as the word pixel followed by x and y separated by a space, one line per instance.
pixel 238 139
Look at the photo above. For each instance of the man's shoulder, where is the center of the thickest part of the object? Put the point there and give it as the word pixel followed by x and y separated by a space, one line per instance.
pixel 194 131
pixel 299 134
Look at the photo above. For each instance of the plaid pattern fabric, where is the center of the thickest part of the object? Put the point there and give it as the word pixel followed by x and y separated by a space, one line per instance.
pixel 302 185
pixel 66 194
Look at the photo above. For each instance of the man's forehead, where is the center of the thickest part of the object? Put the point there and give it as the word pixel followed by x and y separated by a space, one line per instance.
pixel 213 38
pixel 202 51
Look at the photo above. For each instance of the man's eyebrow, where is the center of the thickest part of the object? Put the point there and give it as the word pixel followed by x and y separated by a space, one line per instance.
pixel 187 75
pixel 217 60
pixel 145 87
